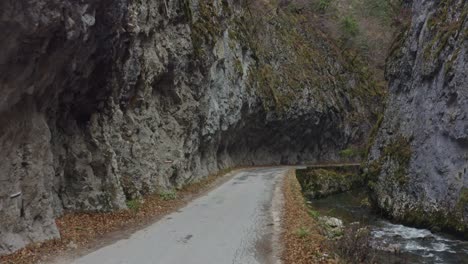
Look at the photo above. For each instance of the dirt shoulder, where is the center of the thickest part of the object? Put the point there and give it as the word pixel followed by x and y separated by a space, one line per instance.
pixel 85 232
pixel 301 238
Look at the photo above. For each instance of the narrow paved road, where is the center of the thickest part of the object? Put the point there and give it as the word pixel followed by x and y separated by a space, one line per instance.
pixel 231 224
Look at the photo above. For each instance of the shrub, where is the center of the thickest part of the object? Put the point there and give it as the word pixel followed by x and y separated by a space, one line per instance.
pixel 133 204
pixel 355 244
pixel 168 195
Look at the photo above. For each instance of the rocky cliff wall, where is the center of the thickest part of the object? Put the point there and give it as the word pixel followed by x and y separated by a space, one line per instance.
pixel 105 101
pixel 418 163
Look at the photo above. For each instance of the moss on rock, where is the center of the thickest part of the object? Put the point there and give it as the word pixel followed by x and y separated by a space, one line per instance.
pixel 307 60
pixel 448 221
pixel 398 154
pixel 206 28
pixel 443 26
pixel 399 151
pixel 321 182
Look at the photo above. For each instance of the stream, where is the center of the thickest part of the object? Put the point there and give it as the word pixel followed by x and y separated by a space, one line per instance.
pixel 414 245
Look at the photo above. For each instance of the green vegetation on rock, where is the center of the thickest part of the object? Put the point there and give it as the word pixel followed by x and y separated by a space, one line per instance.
pixel 373 133
pixel 397 153
pixel 450 221
pixel 462 201
pixel 206 28
pixel 320 182
pixel 292 55
pixel 349 26
pixel 443 26
pixel 384 10
pixel 352 153
pixel 323 5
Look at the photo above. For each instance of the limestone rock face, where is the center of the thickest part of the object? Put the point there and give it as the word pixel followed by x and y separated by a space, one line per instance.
pixel 108 100
pixel 418 163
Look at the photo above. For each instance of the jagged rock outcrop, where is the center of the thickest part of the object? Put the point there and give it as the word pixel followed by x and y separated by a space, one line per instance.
pixel 418 163
pixel 103 101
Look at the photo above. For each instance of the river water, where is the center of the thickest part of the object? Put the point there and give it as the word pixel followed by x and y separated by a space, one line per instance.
pixel 415 245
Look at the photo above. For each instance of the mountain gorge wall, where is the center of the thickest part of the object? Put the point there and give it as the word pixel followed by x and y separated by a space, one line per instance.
pixel 105 101
pixel 418 163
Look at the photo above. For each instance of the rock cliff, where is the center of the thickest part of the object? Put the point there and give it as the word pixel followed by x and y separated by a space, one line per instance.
pixel 105 101
pixel 418 162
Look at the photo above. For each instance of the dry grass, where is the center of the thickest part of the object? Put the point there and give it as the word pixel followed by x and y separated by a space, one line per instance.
pixel 81 231
pixel 301 236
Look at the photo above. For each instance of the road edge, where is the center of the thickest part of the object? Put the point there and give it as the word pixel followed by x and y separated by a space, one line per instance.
pixel 277 211
pixel 60 251
pixel 301 237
